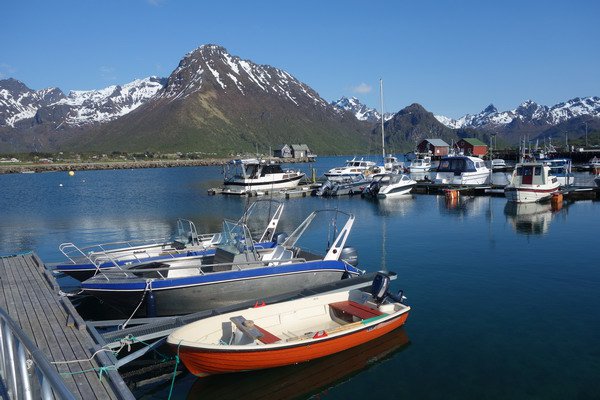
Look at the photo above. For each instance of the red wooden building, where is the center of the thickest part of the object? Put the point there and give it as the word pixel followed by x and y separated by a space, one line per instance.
pixel 436 147
pixel 472 147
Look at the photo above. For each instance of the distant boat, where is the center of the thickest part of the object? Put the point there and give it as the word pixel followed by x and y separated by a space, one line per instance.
pixel 561 169
pixel 347 186
pixel 531 182
pixel 290 332
pixel 420 165
pixel 462 170
pixel 352 169
pixel 254 174
pixel 498 165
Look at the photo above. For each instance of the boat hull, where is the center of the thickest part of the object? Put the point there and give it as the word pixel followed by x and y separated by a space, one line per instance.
pixel 182 298
pixel 466 178
pixel 528 195
pixel 277 182
pixel 202 362
pixel 395 191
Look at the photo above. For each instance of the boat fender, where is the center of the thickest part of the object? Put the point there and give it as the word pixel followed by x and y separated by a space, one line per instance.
pixel 151 304
pixel 257 305
pixel 319 334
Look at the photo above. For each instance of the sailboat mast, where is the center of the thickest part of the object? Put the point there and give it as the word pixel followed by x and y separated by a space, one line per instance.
pixel 382 131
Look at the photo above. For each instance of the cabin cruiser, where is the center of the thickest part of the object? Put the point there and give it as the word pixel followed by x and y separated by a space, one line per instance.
pixel 461 170
pixel 391 164
pixel 420 165
pixel 531 182
pixel 84 262
pixel 389 185
pixel 561 169
pixel 254 174
pixel 352 169
pixel 237 271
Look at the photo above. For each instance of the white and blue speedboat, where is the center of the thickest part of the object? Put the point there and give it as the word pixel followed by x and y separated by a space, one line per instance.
pixel 237 271
pixel 85 262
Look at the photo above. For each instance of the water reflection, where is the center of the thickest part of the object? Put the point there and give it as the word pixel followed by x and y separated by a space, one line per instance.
pixel 401 205
pixel 301 380
pixel 463 205
pixel 529 218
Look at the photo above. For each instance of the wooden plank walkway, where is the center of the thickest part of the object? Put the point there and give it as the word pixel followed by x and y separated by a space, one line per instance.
pixel 30 296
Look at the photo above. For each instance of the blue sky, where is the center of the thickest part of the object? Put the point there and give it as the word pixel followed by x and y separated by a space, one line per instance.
pixel 453 57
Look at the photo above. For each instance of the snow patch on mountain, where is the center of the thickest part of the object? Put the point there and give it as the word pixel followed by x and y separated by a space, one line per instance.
pixel 360 111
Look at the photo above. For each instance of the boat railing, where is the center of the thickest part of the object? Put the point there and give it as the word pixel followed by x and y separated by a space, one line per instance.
pixel 25 371
pixel 238 265
pixel 102 260
pixel 73 253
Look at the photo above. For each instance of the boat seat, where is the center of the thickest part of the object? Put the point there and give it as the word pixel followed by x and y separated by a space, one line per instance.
pixel 253 330
pixel 276 254
pixel 216 239
pixel 354 309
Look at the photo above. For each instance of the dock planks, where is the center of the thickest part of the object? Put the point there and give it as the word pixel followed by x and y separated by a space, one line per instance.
pixel 29 299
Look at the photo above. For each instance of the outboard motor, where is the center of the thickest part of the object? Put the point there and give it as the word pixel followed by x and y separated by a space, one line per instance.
pixel 325 188
pixel 379 289
pixel 350 256
pixel 279 238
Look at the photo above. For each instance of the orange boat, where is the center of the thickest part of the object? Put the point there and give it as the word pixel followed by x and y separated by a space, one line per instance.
pixel 290 332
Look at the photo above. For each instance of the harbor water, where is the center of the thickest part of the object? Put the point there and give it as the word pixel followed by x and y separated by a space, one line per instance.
pixel 504 298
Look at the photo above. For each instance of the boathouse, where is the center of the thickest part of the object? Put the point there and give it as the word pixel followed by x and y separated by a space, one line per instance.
pixel 282 151
pixel 472 147
pixel 436 147
pixel 300 150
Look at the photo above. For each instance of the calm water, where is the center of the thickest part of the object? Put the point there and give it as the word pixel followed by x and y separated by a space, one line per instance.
pixel 505 299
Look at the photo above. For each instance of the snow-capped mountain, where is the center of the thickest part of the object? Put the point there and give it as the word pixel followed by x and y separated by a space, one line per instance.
pixel 18 102
pixel 360 111
pixel 21 106
pixel 211 67
pixel 220 103
pixel 529 113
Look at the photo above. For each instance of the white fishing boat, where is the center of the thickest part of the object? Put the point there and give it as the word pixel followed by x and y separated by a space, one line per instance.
pixel 561 169
pixel 389 185
pixel 531 182
pixel 352 169
pixel 498 165
pixel 462 170
pixel 420 165
pixel 254 174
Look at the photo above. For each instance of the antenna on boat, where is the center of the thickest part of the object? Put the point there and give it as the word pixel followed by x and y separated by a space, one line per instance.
pixel 382 130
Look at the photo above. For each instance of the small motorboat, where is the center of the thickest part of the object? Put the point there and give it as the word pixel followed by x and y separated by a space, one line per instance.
pixel 290 332
pixel 594 165
pixel 420 165
pixel 389 185
pixel 561 169
pixel 85 262
pixel 253 174
pixel 352 169
pixel 236 271
pixel 498 165
pixel 531 182
pixel 343 187
pixel 462 170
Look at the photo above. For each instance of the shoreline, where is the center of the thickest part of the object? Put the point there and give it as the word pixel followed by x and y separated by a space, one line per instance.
pixel 108 165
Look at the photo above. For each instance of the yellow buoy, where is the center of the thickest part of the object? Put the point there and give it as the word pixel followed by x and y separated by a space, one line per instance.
pixel 71 173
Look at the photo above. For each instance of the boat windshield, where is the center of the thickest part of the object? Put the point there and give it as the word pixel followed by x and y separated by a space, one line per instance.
pixel 235 237
pixel 460 164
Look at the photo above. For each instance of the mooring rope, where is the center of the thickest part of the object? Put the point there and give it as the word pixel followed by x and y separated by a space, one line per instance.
pixel 148 287
pixel 174 371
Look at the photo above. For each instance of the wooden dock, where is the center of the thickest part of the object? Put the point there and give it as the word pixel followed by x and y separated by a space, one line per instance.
pixel 30 296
